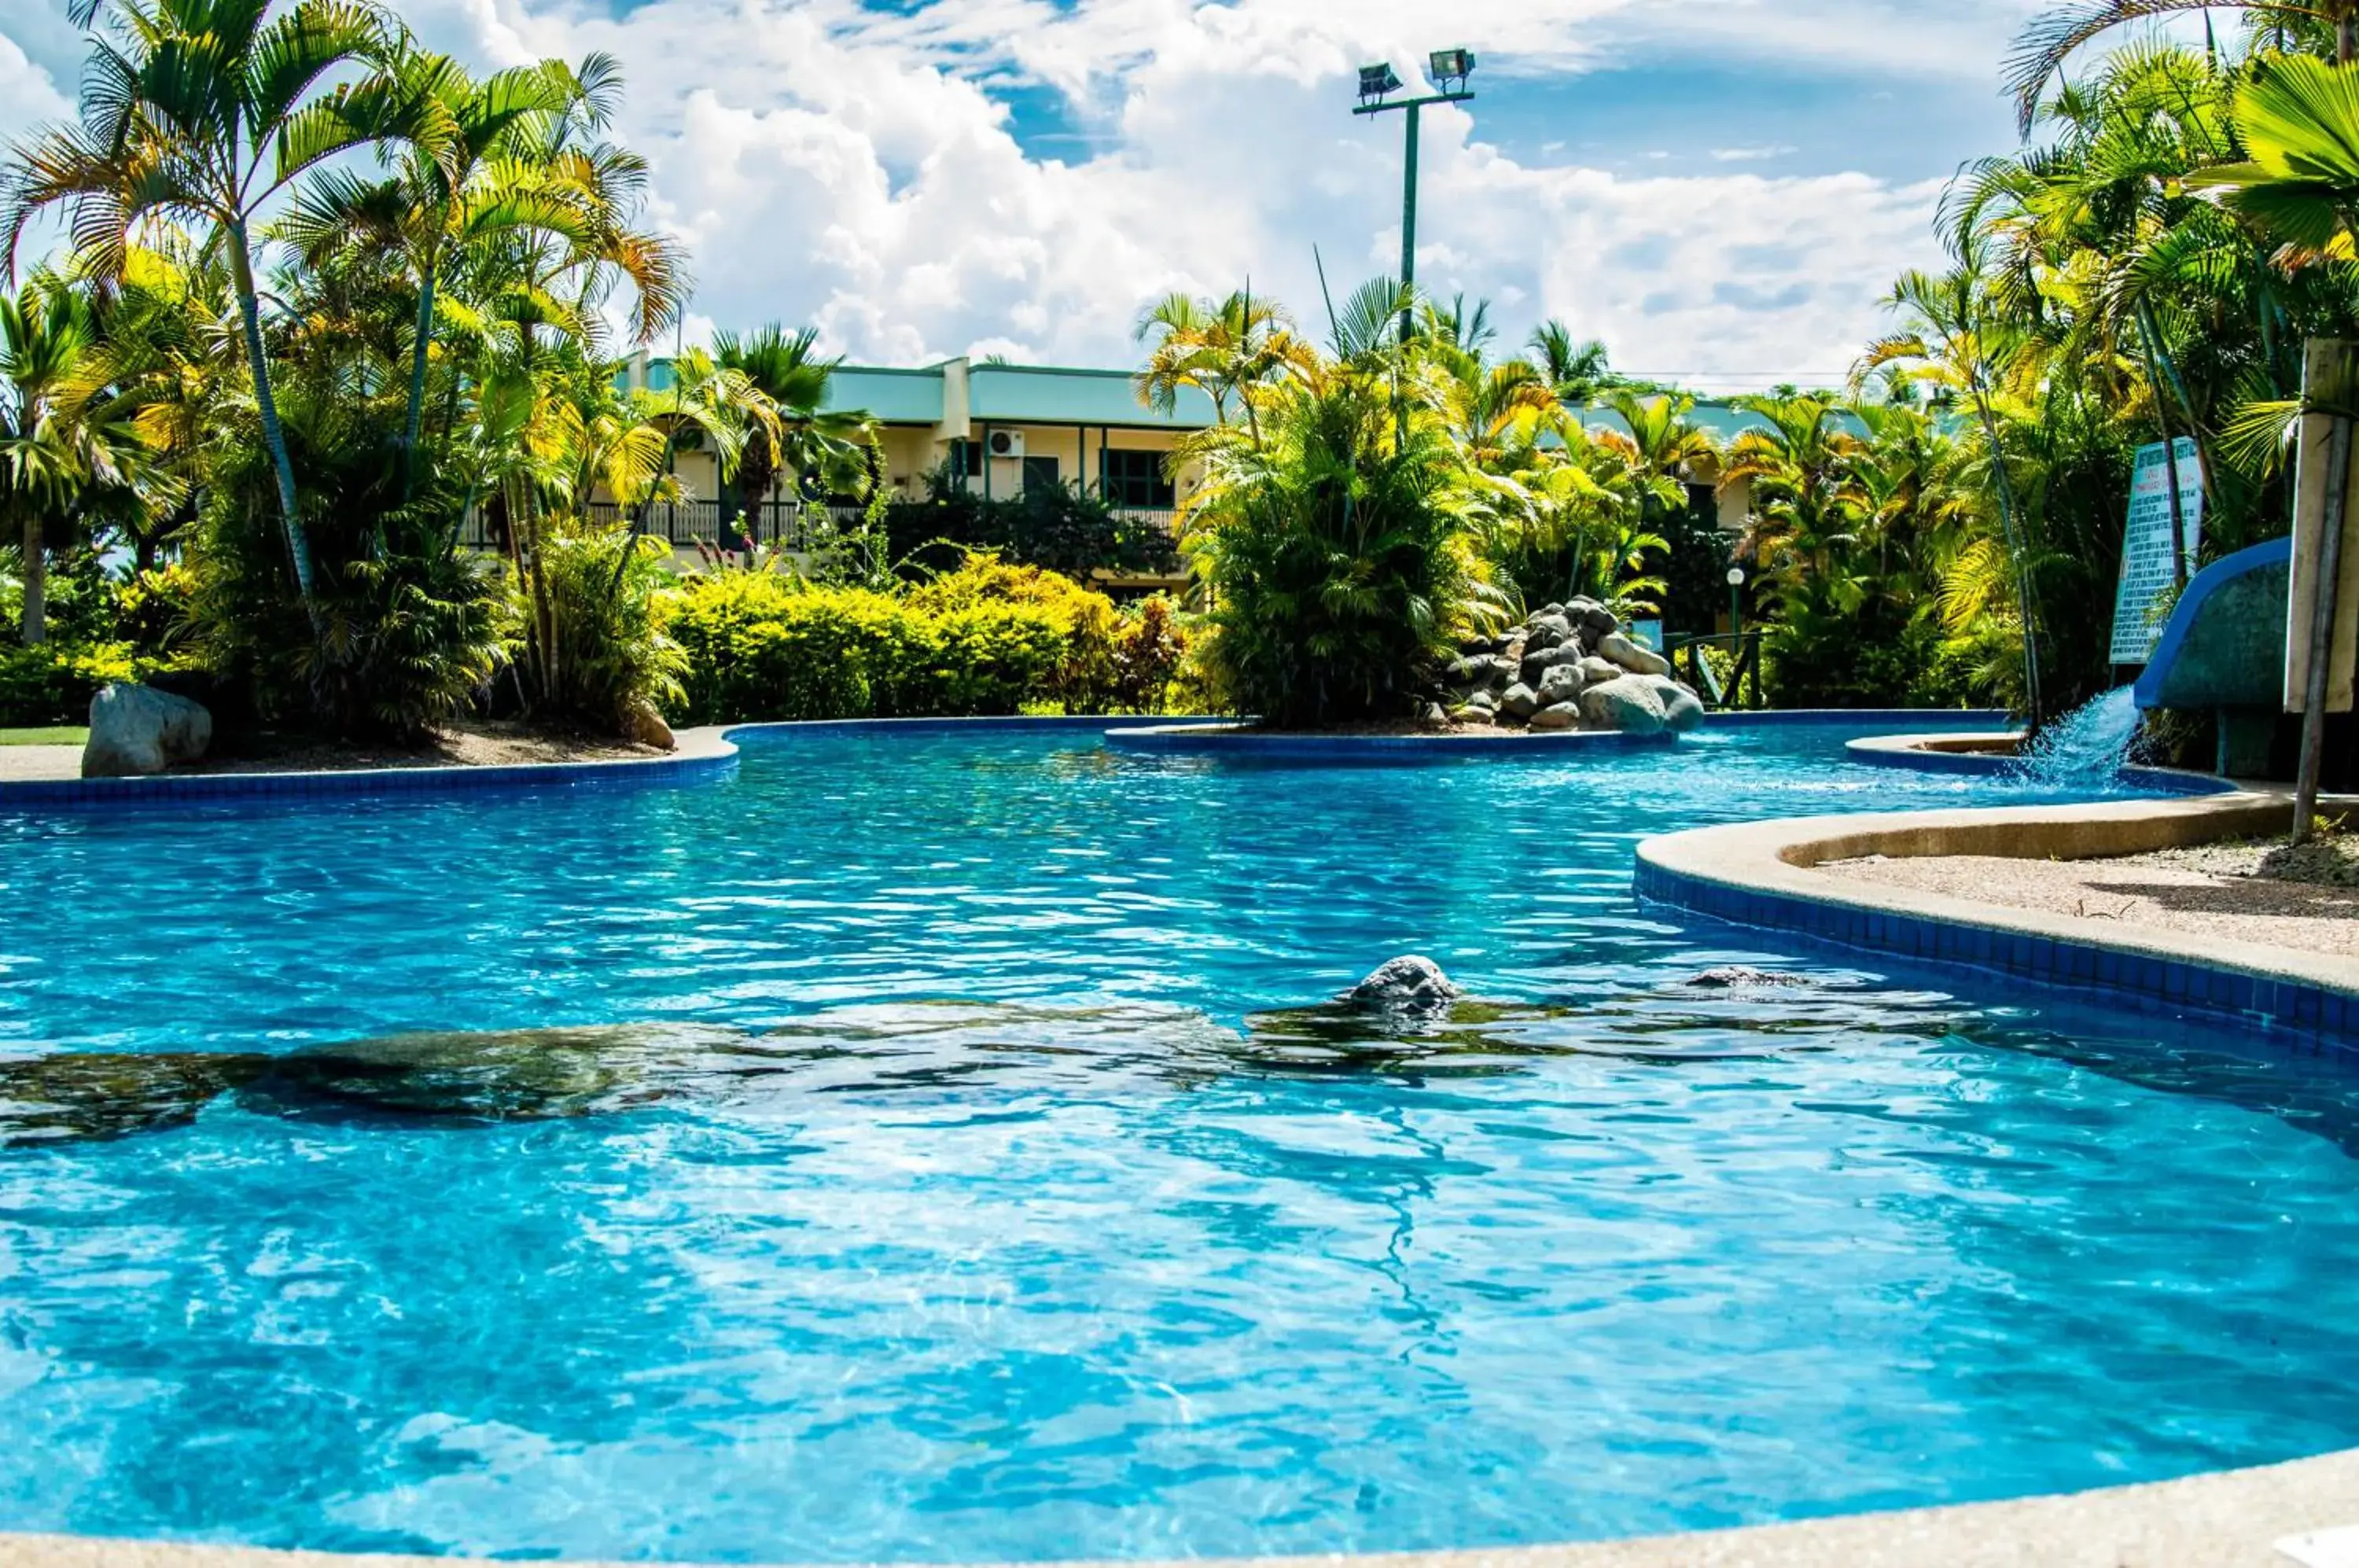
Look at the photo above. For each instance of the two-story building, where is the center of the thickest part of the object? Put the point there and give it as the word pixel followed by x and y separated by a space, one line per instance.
pixel 997 428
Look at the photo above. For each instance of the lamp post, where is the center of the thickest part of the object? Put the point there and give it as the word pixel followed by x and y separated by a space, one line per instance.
pixel 1736 602
pixel 1377 84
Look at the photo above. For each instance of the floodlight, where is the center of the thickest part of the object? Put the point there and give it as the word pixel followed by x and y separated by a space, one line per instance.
pixel 1376 81
pixel 1452 65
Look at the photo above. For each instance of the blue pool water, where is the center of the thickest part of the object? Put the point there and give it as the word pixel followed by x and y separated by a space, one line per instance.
pixel 978 1180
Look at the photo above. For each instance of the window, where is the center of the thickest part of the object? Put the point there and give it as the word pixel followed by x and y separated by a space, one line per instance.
pixel 1135 479
pixel 1039 473
pixel 966 460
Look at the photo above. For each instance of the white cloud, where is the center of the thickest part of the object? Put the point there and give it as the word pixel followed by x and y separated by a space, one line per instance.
pixel 831 163
pixel 28 97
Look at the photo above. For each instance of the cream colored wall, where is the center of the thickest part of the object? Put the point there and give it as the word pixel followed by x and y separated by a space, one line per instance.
pixel 1076 451
pixel 699 475
pixel 1736 500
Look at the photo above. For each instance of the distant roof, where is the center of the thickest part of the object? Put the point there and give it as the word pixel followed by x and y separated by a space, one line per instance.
pixel 896 396
pixel 1723 422
pixel 1014 393
pixel 1041 393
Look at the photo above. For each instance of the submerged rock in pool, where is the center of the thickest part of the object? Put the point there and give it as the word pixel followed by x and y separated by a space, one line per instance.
pixel 497 1076
pixel 79 1094
pixel 1736 977
pixel 1410 985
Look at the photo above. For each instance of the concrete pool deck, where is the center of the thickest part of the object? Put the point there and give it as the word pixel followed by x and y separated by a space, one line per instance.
pixel 1767 874
pixel 2233 1519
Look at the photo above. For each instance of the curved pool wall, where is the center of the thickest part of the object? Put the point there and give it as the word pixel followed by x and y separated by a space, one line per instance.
pixel 1909 753
pixel 996 1188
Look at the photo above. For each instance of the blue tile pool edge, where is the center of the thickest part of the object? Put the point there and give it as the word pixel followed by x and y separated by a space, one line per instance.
pixel 2305 1010
pixel 705 754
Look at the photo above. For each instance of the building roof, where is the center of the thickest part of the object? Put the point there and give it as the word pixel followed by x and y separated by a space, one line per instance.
pixel 896 396
pixel 1008 393
pixel 1039 394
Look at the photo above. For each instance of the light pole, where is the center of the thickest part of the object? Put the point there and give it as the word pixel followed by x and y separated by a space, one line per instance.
pixel 1377 82
pixel 1736 640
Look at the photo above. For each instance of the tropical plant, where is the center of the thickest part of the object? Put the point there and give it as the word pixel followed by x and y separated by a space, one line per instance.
pixel 205 112
pixel 1335 541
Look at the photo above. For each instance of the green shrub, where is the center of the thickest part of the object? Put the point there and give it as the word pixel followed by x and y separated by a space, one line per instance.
pixel 987 638
pixel 1338 568
pixel 612 644
pixel 52 685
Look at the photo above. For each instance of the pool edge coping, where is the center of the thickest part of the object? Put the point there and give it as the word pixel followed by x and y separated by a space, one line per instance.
pixel 703 751
pixel 710 750
pixel 2222 1519
pixel 1764 875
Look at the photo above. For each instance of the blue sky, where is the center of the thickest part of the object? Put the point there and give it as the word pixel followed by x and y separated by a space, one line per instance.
pixel 1721 189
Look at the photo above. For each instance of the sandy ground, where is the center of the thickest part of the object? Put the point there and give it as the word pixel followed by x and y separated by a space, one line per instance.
pixel 477 746
pixel 2261 892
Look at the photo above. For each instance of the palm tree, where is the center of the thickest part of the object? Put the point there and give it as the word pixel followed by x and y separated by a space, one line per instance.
pixel 45 454
pixel 1579 371
pixel 1953 337
pixel 828 448
pixel 205 111
pixel 1228 349
pixel 466 193
pixel 2043 47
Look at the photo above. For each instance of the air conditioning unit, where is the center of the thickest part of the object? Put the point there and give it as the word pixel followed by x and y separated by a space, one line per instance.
pixel 1007 443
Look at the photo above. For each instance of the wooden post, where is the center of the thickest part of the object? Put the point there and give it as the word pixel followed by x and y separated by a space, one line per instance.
pixel 2322 617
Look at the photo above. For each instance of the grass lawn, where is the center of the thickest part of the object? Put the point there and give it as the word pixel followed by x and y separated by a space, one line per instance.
pixel 61 735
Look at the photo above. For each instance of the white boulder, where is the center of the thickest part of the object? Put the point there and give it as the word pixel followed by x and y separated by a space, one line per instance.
pixel 1562 716
pixel 135 731
pixel 1637 660
pixel 1630 704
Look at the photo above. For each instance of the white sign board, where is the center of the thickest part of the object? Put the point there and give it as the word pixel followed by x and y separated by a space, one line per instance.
pixel 2147 573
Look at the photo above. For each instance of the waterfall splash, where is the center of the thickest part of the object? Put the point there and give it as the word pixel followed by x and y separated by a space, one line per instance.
pixel 2087 749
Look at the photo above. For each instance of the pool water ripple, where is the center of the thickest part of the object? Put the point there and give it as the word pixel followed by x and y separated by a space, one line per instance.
pixel 951 1159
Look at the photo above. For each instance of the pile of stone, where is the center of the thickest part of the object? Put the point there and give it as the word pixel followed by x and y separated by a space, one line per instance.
pixel 1569 667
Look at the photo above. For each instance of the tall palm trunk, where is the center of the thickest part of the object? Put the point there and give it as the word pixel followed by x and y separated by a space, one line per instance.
pixel 274 436
pixel 35 623
pixel 415 416
pixel 2004 483
pixel 2346 35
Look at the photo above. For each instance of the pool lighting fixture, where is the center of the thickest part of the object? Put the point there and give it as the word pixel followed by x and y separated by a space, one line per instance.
pixel 1449 70
pixel 1446 66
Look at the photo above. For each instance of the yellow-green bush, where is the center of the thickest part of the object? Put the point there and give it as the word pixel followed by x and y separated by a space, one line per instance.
pixel 986 639
pixel 52 685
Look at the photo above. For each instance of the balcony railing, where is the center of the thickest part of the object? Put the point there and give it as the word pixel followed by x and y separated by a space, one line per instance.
pixel 781 525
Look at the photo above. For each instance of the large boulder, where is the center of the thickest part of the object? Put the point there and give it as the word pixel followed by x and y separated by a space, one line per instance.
pixel 1637 660
pixel 647 727
pixel 1591 617
pixel 1409 984
pixel 1597 671
pixel 1546 631
pixel 1561 684
pixel 1630 704
pixel 1536 666
pixel 1682 709
pixel 1561 717
pixel 1521 702
pixel 135 731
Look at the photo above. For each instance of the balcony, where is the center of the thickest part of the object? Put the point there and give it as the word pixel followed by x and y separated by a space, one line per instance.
pixel 782 525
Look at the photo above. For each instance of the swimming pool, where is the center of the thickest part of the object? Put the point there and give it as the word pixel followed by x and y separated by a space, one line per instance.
pixel 968 1172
